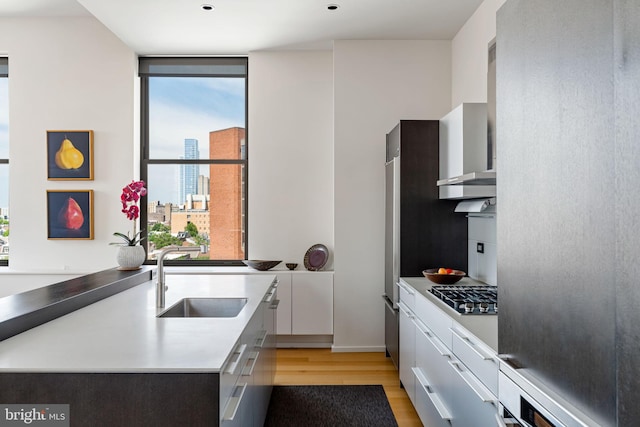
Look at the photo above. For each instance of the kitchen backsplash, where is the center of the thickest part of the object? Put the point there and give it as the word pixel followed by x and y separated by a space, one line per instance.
pixel 483 264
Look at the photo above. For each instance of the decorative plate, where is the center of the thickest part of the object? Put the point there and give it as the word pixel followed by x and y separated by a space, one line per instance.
pixel 316 257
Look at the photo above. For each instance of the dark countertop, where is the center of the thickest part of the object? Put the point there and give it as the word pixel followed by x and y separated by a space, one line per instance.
pixel 23 311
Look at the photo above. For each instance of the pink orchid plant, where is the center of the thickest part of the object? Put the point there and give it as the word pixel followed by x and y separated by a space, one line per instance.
pixel 130 196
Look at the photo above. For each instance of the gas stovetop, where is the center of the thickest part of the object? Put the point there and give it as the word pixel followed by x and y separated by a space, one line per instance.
pixel 469 299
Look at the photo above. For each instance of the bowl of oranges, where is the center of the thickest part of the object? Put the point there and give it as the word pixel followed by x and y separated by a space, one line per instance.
pixel 443 276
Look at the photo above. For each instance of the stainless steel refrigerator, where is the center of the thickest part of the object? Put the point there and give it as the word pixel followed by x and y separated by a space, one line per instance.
pixel 421 231
pixel 568 102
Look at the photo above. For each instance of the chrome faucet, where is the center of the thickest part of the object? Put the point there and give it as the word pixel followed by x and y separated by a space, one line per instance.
pixel 161 287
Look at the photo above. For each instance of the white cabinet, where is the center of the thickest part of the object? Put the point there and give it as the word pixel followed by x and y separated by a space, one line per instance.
pixel 312 303
pixel 305 309
pixel 284 308
pixel 471 402
pixel 247 377
pixel 407 347
pixel 432 377
pixel 477 356
pixel 455 373
pixel 407 357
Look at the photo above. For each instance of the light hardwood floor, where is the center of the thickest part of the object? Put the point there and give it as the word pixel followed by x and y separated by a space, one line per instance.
pixel 322 367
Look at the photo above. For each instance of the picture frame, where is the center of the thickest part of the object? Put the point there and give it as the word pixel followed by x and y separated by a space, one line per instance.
pixel 70 155
pixel 70 214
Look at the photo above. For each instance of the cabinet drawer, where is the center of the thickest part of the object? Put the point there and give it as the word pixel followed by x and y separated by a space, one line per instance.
pixel 428 403
pixel 231 372
pixel 472 404
pixel 407 294
pixel 407 357
pixel 480 359
pixel 439 322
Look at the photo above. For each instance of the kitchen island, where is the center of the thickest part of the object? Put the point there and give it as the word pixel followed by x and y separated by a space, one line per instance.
pixel 116 363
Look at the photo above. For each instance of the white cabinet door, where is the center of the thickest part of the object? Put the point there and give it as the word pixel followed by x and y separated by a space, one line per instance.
pixel 407 350
pixel 284 307
pixel 432 377
pixel 428 406
pixel 312 304
pixel 471 402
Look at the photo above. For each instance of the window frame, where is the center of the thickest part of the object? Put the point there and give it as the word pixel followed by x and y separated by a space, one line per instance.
pixel 146 70
pixel 4 73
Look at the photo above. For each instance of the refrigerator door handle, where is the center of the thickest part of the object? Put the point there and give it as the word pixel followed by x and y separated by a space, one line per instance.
pixel 388 303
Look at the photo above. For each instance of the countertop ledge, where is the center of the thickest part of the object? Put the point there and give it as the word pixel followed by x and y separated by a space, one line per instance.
pixel 23 311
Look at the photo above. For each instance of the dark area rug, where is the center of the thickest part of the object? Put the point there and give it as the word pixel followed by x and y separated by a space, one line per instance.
pixel 329 406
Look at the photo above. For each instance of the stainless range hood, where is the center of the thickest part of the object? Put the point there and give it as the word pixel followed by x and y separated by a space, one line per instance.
pixel 468 146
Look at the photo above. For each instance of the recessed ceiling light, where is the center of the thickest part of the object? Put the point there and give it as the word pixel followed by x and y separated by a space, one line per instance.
pixel 333 6
pixel 206 6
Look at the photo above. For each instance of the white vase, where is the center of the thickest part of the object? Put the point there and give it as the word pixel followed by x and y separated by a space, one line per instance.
pixel 130 257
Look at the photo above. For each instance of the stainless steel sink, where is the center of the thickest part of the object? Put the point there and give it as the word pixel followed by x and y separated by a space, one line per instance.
pixel 205 307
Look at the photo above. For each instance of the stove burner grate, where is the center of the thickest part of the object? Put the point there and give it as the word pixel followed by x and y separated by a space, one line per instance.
pixel 468 299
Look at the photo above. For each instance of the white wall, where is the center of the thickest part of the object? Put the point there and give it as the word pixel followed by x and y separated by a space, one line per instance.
pixel 290 154
pixel 317 123
pixel 469 55
pixel 376 84
pixel 67 74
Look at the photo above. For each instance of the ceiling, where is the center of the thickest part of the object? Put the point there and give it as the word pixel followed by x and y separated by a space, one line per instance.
pixel 182 27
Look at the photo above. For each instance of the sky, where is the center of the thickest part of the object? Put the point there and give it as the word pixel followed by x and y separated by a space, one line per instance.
pixel 188 107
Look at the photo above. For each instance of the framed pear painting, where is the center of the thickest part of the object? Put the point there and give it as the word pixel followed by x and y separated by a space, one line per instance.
pixel 70 155
pixel 70 214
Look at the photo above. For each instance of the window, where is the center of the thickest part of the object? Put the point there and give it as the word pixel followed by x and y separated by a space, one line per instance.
pixel 194 157
pixel 4 161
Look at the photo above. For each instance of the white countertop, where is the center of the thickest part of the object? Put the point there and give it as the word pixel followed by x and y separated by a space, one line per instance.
pixel 122 333
pixel 238 269
pixel 483 326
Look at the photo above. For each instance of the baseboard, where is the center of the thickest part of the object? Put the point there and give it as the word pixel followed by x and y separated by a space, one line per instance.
pixel 356 349
pixel 304 341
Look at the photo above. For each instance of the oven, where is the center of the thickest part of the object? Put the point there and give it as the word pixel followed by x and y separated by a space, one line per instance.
pixel 524 401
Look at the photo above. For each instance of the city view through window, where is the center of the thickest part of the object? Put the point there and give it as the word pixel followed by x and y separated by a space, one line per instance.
pixel 196 167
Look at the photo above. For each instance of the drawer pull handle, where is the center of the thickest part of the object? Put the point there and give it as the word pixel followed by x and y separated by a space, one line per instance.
pixel 269 296
pixel 234 402
pixel 405 310
pixel 237 357
pixel 274 305
pixel 431 394
pixel 473 383
pixel 476 350
pixel 439 346
pixel 261 339
pixel 251 363
pixel 406 288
